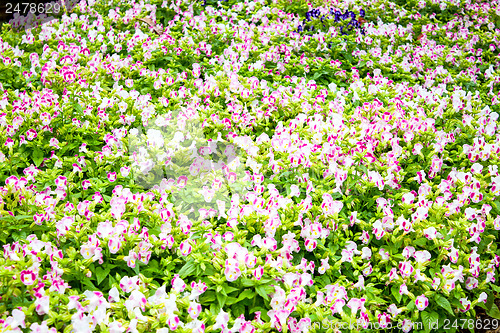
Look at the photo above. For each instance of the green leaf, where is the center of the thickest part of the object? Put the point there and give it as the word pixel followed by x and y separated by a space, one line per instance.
pixel 489 302
pixel 323 280
pixel 22 217
pixel 207 297
pixel 429 320
pixel 238 309
pixel 420 242
pixel 411 305
pixel 247 282
pixel 395 292
pixel 89 284
pixel 101 274
pixel 497 206
pixel 7 217
pixel 221 299
pixel 228 289
pixel 494 312
pixel 214 309
pixel 209 270
pixel 261 290
pixel 78 108
pixel 444 303
pixel 231 300
pixel 4 236
pixel 265 281
pixel 37 156
pixel 187 269
pixel 111 281
pixel 247 293
pixel 16 237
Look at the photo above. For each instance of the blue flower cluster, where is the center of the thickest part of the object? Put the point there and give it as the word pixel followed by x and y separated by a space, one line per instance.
pixel 338 17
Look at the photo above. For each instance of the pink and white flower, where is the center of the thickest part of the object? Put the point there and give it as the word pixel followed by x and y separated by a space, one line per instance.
pixel 194 310
pixel 28 277
pixel 42 305
pixel 384 320
pixel 421 302
pixel 185 248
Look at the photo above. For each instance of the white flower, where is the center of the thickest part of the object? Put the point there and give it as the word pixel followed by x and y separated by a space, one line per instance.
pixel 483 297
pixel 178 137
pixel 155 138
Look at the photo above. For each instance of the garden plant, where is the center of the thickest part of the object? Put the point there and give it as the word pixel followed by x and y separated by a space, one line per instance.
pixel 251 166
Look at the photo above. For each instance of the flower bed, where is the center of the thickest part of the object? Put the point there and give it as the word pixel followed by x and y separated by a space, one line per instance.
pixel 215 166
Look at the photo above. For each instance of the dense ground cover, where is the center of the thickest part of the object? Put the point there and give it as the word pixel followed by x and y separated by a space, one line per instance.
pixel 250 167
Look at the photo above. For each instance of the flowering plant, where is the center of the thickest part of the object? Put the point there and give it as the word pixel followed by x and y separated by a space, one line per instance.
pixel 361 181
